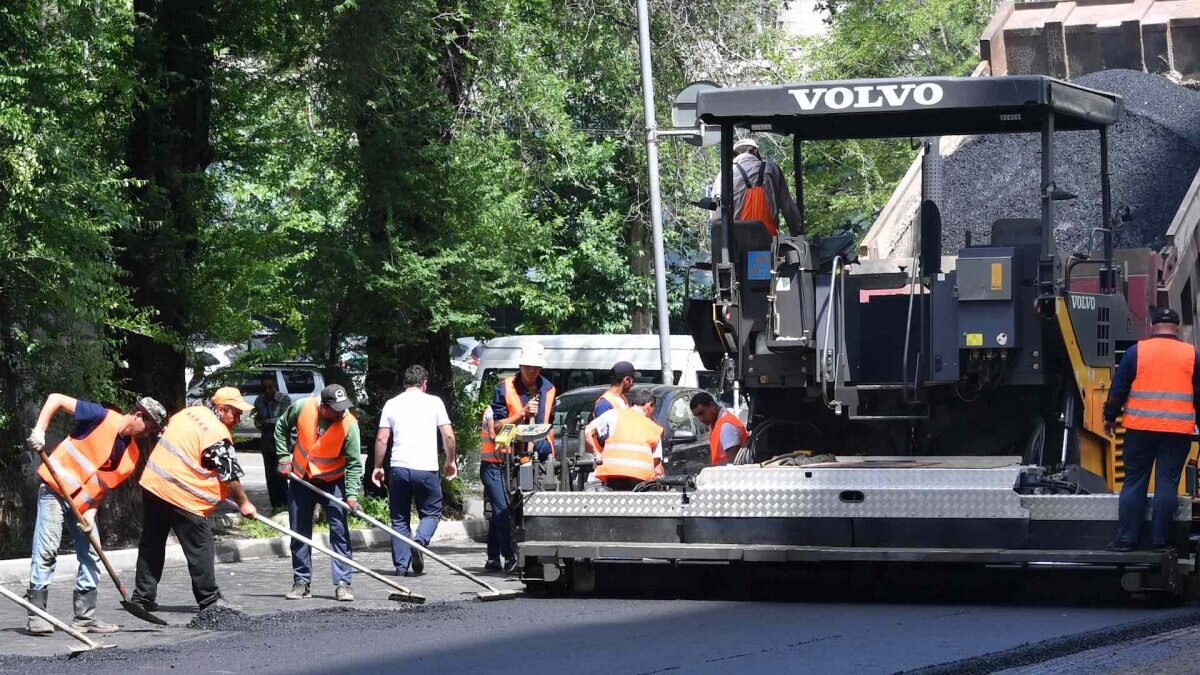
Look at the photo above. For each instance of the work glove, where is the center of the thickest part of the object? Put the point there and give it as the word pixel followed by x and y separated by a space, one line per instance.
pixel 37 440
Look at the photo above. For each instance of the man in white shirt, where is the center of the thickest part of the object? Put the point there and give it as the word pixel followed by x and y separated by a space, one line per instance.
pixel 413 420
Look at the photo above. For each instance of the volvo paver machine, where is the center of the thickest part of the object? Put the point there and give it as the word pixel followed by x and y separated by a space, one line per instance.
pixel 931 409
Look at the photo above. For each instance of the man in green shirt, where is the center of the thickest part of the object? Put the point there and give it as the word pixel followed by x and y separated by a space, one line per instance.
pixel 319 440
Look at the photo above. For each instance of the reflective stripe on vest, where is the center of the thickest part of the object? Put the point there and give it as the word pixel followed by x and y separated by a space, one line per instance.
pixel 487 440
pixel 173 470
pixel 77 462
pixel 629 451
pixel 717 454
pixel 1161 396
pixel 318 455
pixel 513 400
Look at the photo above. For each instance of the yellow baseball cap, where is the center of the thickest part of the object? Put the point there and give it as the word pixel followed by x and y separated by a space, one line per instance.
pixel 231 396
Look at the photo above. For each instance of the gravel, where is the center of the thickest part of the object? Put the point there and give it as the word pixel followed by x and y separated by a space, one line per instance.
pixel 1154 155
pixel 218 617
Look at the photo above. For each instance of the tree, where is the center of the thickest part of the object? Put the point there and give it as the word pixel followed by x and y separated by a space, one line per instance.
pixel 63 88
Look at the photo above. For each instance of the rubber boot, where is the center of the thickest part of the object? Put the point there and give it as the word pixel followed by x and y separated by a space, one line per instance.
pixel 38 625
pixel 85 615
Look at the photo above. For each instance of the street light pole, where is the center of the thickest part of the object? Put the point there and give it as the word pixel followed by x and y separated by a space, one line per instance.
pixel 660 274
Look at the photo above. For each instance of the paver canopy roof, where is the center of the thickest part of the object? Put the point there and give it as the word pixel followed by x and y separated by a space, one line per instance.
pixel 897 108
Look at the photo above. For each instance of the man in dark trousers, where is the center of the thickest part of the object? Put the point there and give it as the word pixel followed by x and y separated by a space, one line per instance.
pixel 1157 383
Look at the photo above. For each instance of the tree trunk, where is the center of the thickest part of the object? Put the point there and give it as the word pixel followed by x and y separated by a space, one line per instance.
pixel 169 150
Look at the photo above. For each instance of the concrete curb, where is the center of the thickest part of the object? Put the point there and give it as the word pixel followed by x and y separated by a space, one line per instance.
pixel 16 571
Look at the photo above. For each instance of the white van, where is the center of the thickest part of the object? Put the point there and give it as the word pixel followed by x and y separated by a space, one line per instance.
pixel 574 361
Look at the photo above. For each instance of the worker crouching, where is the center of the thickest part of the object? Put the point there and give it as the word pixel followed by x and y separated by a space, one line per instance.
pixel 97 456
pixel 189 472
pixel 325 453
pixel 632 453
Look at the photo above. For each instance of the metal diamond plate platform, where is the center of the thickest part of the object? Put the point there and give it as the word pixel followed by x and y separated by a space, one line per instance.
pixel 833 492
pixel 1087 507
pixel 605 504
pixel 800 477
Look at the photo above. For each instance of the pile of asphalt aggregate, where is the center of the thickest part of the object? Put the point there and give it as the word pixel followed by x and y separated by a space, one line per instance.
pixel 1154 153
pixel 217 617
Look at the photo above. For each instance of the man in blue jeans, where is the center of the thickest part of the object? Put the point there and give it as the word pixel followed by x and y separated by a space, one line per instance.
pixel 413 421
pixel 491 466
pixel 1158 385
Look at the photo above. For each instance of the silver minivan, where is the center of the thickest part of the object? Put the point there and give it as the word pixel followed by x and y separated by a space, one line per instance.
pixel 297 380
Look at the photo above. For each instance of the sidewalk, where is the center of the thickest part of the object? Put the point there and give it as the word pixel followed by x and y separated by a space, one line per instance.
pixel 256 585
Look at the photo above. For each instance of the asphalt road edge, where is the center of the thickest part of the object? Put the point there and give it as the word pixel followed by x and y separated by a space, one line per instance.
pixel 1040 652
pixel 16 570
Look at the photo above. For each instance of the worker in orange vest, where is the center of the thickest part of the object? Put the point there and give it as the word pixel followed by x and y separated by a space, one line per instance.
pixel 632 453
pixel 727 434
pixel 491 466
pixel 1158 385
pixel 191 470
pixel 527 397
pixel 327 453
pixel 623 375
pixel 760 190
pixel 98 455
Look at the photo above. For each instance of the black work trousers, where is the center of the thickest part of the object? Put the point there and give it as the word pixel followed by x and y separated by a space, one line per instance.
pixel 159 518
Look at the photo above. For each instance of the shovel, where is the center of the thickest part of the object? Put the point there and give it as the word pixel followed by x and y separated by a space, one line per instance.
pixel 404 594
pixel 492 593
pixel 55 622
pixel 130 607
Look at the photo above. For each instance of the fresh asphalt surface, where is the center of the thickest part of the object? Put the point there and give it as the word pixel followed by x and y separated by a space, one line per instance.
pixel 649 632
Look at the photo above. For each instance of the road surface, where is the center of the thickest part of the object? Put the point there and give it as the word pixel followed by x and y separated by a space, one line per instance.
pixel 638 628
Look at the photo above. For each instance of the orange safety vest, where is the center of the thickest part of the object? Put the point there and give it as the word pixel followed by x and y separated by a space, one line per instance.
pixel 513 400
pixel 716 453
pixel 617 402
pixel 318 456
pixel 629 450
pixel 77 462
pixel 755 205
pixel 1161 396
pixel 487 440
pixel 173 471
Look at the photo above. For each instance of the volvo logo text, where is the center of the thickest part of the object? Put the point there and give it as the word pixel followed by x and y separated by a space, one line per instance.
pixel 1083 302
pixel 866 97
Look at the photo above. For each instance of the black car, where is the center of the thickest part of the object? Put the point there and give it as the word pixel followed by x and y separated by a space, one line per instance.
pixel 685 443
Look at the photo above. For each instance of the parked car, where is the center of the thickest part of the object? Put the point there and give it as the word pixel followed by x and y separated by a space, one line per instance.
pixel 297 380
pixel 685 442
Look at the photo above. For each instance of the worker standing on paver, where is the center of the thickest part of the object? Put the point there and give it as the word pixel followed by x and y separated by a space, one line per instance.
pixel 491 466
pixel 413 420
pixel 268 408
pixel 189 472
pixel 1158 385
pixel 98 455
pixel 621 380
pixel 633 453
pixel 320 442
pixel 527 397
pixel 760 190
pixel 727 434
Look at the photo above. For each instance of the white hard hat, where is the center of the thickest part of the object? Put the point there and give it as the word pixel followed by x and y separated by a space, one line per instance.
pixel 745 143
pixel 533 355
